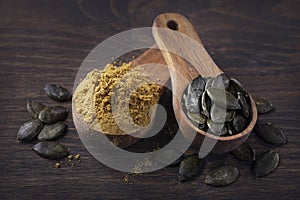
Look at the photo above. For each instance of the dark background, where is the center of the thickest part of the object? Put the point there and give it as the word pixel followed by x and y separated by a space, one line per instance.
pixel 41 42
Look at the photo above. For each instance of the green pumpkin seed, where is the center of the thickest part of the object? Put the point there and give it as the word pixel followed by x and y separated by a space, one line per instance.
pixel 29 130
pixel 34 108
pixel 239 123
pixel 237 87
pixel 245 106
pixel 262 105
pixel 245 152
pixel 221 176
pixel 206 104
pixel 270 134
pixel 57 92
pixel 229 115
pixel 189 167
pixel 223 98
pixel 220 82
pixel 53 114
pixel 50 149
pixel 191 102
pixel 196 118
pixel 226 80
pixel 217 113
pixel 52 131
pixel 197 86
pixel 209 82
pixel 216 129
pixel 266 163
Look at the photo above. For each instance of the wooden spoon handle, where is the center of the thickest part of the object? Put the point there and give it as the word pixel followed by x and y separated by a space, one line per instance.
pixel 189 47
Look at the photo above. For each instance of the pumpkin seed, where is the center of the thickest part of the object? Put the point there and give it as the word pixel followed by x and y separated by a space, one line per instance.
pixel 262 105
pixel 34 108
pixel 237 87
pixel 223 98
pixel 245 152
pixel 197 86
pixel 196 118
pixel 270 134
pixel 245 106
pixel 229 115
pixel 239 123
pixel 52 131
pixel 29 130
pixel 218 82
pixel 206 104
pixel 221 176
pixel 216 129
pixel 226 80
pixel 217 113
pixel 189 167
pixel 191 103
pixel 50 149
pixel 266 163
pixel 57 92
pixel 53 114
pixel 209 82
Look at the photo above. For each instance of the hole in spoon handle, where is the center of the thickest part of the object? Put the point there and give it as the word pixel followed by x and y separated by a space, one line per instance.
pixel 185 47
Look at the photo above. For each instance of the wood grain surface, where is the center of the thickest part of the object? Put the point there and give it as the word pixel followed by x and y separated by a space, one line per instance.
pixel 41 42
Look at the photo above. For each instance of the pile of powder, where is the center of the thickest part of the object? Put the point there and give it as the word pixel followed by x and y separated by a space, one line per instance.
pixel 83 99
pixel 129 97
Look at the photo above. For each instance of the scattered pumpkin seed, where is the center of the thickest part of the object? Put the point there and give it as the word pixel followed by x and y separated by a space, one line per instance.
pixel 34 108
pixel 265 163
pixel 221 176
pixel 245 152
pixel 189 167
pixel 50 149
pixel 57 92
pixel 53 114
pixel 52 131
pixel 262 105
pixel 271 134
pixel 29 130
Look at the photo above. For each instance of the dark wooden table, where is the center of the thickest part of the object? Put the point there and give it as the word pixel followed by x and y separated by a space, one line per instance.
pixel 43 42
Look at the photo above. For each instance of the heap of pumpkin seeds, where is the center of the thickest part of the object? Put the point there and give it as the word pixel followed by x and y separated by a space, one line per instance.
pixel 201 98
pixel 218 105
pixel 47 124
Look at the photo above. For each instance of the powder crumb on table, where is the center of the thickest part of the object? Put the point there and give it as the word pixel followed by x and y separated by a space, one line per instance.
pixel 126 178
pixel 57 165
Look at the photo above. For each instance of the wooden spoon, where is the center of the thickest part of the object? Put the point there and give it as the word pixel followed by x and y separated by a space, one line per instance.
pixel 176 51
